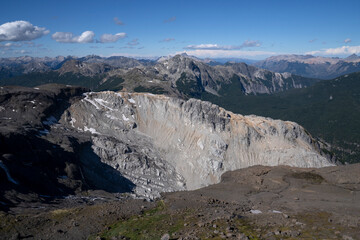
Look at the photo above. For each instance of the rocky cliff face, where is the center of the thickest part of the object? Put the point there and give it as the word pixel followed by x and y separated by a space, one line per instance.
pixel 164 144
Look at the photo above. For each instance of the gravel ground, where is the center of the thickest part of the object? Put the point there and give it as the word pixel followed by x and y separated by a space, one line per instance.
pixel 253 203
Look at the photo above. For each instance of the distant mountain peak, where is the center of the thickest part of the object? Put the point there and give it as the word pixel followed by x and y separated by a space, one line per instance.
pixel 84 68
pixel 177 57
pixel 353 57
pixel 311 66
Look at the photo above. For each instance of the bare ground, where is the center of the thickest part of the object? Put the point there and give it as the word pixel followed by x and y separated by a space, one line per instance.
pixel 253 203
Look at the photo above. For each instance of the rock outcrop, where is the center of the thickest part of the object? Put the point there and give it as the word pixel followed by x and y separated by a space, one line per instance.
pixel 164 144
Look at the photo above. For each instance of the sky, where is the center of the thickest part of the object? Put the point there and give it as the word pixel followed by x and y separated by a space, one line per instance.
pixel 215 29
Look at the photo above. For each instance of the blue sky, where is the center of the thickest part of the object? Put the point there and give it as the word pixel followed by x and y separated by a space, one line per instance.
pixel 244 29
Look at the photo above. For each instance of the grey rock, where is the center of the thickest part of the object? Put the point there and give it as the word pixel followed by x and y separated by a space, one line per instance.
pixel 166 144
pixel 346 237
pixel 165 237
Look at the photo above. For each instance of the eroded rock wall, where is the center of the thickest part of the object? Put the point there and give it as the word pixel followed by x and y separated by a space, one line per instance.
pixel 166 144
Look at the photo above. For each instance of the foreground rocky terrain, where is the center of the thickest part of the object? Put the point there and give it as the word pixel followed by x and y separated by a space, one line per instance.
pixel 78 164
pixel 253 203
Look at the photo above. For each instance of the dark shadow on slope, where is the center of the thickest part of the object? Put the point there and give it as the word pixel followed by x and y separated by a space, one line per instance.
pixel 99 175
pixel 43 171
pixel 37 166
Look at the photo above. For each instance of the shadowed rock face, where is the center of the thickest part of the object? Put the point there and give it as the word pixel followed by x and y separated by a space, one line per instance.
pixel 166 144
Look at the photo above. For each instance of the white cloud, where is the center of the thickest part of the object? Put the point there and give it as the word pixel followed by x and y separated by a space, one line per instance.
pixel 168 40
pixel 110 38
pixel 251 43
pixel 133 55
pixel 203 53
pixel 344 50
pixel 68 37
pixel 205 46
pixel 118 21
pixel 348 40
pixel 20 31
pixel 24 51
pixel 10 44
pixel 245 44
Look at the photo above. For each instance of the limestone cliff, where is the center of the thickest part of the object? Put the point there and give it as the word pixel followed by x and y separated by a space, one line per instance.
pixel 165 144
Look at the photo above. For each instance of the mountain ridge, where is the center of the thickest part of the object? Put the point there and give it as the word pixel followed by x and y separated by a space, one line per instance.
pixel 329 109
pixel 180 75
pixel 311 66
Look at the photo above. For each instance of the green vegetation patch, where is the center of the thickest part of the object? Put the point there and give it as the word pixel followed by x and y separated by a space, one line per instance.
pixel 320 225
pixel 113 83
pixel 190 87
pixel 150 225
pixel 36 79
pixel 154 223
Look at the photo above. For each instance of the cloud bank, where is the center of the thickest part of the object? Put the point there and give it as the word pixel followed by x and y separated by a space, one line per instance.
pixel 110 38
pixel 20 31
pixel 204 53
pixel 344 50
pixel 68 37
pixel 9 45
pixel 245 44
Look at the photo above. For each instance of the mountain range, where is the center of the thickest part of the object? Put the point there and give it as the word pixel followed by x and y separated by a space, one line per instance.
pixel 302 65
pixel 311 66
pixel 181 75
pixel 238 87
